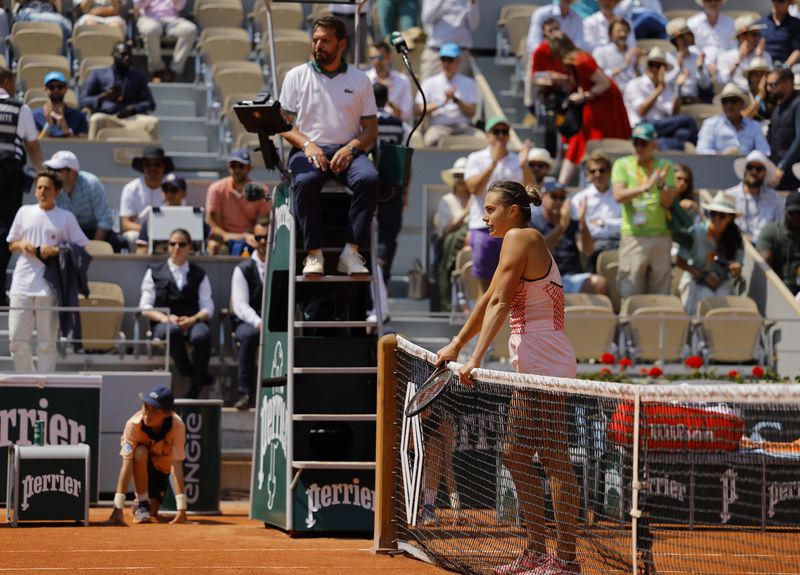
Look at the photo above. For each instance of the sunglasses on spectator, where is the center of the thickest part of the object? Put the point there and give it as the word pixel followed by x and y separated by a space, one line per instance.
pixel 447 59
pixel 717 215
pixel 236 166
pixel 171 190
pixel 771 85
pixel 729 101
pixel 597 170
pixel 56 86
pixel 558 197
pixel 755 168
pixel 500 131
pixel 639 143
pixel 178 244
pixel 539 165
pixel 378 58
pixel 153 164
pixel 260 237
pixel 656 64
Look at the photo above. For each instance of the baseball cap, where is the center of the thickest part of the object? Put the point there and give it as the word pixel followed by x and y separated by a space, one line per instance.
pixel 173 179
pixel 55 76
pixel 793 202
pixel 63 159
pixel 553 186
pixel 449 50
pixel 239 156
pixel 644 131
pixel 159 397
pixel 494 120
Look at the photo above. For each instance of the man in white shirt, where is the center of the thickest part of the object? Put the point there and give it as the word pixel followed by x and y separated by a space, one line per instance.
pixel 400 103
pixel 731 132
pixel 690 74
pixel 619 59
pixel 731 64
pixel 756 202
pixel 571 24
pixel 35 234
pixel 595 27
pixel 447 22
pixel 714 32
pixel 183 288
pixel 485 166
pixel 332 106
pixel 603 213
pixel 18 142
pixel 650 98
pixel 247 287
pixel 451 97
pixel 144 192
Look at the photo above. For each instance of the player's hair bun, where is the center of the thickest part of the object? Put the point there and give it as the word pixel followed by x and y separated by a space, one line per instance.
pixel 533 194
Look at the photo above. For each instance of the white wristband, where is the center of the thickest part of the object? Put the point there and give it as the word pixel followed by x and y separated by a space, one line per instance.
pixel 119 501
pixel 180 502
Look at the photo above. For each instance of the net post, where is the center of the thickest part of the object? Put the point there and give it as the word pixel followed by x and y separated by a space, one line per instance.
pixel 386 439
pixel 635 511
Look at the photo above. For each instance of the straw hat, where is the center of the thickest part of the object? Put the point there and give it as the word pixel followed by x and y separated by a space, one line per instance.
pixel 748 23
pixel 700 2
pixel 656 54
pixel 449 175
pixel 731 90
pixel 677 27
pixel 754 157
pixel 541 155
pixel 757 64
pixel 722 203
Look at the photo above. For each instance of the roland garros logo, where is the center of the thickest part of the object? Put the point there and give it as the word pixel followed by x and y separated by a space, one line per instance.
pixel 48 483
pixel 272 430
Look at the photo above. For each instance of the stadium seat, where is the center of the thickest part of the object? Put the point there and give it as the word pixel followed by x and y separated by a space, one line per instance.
pixel 459 300
pixel 287 49
pixel 653 327
pixel 90 63
pixel 734 14
pixel 679 13
pixel 123 136
pixel 236 77
pixel 590 328
pixel 88 41
pixel 32 69
pixel 103 326
pixel 36 38
pixel 730 329
pixel 220 15
pixel 283 69
pixel 700 112
pixel 318 11
pixel 232 45
pixel 609 146
pixel 514 21
pixel 607 264
pixel 284 16
pixel 36 98
pixel 466 142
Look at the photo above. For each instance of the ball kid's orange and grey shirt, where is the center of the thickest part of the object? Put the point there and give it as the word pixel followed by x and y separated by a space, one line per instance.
pixel 164 448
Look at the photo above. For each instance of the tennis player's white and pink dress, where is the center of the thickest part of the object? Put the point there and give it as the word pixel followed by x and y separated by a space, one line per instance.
pixel 538 343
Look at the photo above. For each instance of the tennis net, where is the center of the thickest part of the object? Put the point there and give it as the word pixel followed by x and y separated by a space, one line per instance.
pixel 595 477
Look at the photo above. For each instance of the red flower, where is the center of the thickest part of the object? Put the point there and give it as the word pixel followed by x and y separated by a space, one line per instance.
pixel 605 371
pixel 733 374
pixel 608 359
pixel 625 362
pixel 758 371
pixel 694 362
pixel 643 371
pixel 655 371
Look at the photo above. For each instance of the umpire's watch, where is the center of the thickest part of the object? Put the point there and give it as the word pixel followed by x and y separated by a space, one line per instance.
pixel 353 150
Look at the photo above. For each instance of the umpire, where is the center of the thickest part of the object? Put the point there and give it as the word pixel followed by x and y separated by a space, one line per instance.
pixel 18 140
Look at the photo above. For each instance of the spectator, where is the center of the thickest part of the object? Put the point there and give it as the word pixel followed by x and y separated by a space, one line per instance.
pixel 450 222
pixel 540 163
pixel 647 17
pixel 684 186
pixel 400 102
pixel 118 96
pixel 332 131
pixel 731 132
pixel 145 191
pixel 604 113
pixel 45 11
pixel 452 99
pixel 391 128
pixel 731 64
pixel 55 119
pixel 651 99
pixel 756 76
pixel 247 287
pixel 545 85
pixel 690 74
pixel 602 212
pixel 784 128
pixel 756 203
pixel 230 215
pixel 447 22
pixel 485 166
pixel 569 22
pixel 173 189
pixel 714 32
pixel 35 234
pixel 596 27
pixel 645 186
pixel 103 13
pixel 567 238
pixel 184 288
pixel 83 195
pixel 619 58
pixel 714 262
pixel 782 34
pixel 157 18
pixel 17 143
pixel 779 244
pixel 394 16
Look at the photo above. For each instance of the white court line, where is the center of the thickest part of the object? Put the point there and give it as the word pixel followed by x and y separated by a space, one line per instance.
pixel 157 568
pixel 183 550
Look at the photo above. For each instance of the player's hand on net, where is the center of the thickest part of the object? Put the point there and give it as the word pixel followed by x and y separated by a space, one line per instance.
pixel 447 353
pixel 464 374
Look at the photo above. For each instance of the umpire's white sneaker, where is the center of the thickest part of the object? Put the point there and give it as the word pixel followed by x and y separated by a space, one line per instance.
pixel 352 263
pixel 314 265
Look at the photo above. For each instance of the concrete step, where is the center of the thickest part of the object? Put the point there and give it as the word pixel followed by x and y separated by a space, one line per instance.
pixel 170 108
pixel 179 91
pixel 236 472
pixel 178 144
pixel 237 429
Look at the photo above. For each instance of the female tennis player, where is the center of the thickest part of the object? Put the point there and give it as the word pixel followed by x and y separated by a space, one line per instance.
pixel 527 287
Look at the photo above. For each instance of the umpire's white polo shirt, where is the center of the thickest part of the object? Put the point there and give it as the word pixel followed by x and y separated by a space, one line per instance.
pixel 329 107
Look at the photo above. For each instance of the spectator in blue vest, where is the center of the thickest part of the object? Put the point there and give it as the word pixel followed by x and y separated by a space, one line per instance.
pixel 782 34
pixel 55 119
pixel 183 288
pixel 247 286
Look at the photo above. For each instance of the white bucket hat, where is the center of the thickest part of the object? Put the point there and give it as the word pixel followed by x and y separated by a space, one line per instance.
pixel 541 155
pixel 722 203
pixel 656 54
pixel 754 157
pixel 449 175
pixel 731 90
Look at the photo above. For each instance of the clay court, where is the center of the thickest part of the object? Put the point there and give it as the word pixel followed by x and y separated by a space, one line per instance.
pixel 230 543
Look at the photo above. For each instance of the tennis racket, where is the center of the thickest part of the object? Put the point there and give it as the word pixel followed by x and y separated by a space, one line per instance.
pixel 429 391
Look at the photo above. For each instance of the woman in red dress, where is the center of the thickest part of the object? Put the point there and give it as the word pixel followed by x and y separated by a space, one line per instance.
pixel 604 114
